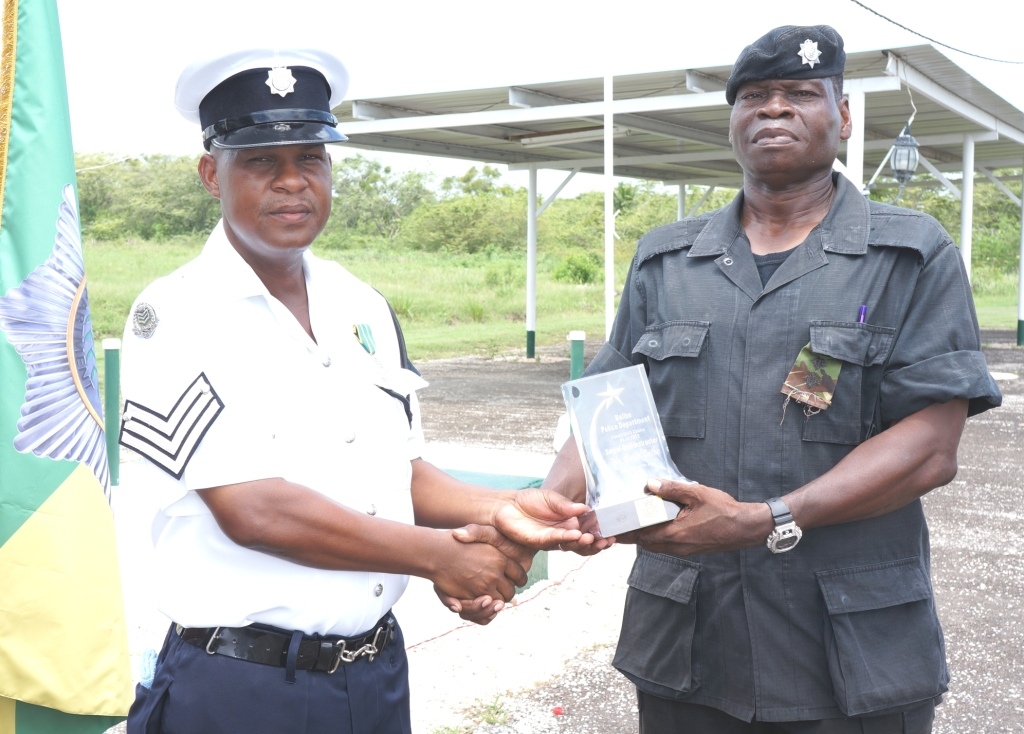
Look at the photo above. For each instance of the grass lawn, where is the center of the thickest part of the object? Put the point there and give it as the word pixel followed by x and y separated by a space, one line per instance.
pixel 448 305
pixel 997 312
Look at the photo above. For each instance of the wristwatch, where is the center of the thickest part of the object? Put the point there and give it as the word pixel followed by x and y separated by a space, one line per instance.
pixel 786 534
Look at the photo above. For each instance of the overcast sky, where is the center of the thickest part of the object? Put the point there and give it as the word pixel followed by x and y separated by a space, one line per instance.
pixel 123 57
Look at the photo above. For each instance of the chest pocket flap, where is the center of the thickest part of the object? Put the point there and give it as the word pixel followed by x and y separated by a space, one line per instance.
pixel 860 344
pixel 674 339
pixel 677 354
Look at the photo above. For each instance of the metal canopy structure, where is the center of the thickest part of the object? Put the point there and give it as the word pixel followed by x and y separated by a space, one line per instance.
pixel 672 127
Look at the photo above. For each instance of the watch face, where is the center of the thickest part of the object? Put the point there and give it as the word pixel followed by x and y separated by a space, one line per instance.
pixel 786 543
pixel 784 537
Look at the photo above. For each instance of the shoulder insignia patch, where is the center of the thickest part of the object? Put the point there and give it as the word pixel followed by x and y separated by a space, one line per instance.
pixel 170 440
pixel 144 320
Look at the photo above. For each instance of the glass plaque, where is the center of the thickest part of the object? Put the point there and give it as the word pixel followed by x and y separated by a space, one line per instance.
pixel 621 442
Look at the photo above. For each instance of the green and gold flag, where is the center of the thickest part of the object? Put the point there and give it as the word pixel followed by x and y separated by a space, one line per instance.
pixel 63 640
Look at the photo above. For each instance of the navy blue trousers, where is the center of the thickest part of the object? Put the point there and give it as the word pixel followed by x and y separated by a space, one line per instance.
pixel 194 692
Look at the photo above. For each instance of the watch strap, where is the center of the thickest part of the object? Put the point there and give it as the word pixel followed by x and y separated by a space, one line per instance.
pixel 780 511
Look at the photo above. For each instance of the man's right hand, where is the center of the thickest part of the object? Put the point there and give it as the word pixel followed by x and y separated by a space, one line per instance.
pixel 484 563
pixel 483 610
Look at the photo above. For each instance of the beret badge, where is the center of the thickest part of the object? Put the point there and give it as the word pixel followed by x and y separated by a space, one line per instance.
pixel 809 53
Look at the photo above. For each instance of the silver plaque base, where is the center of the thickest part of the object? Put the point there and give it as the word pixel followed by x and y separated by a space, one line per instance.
pixel 643 512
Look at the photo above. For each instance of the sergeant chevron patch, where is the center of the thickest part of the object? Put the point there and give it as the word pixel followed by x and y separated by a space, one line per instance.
pixel 170 440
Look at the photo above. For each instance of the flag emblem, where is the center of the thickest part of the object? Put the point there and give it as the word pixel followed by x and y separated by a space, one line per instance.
pixel 46 319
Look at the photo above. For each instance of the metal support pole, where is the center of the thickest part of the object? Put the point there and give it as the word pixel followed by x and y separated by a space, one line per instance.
pixel 609 207
pixel 967 203
pixel 699 204
pixel 112 405
pixel 1020 276
pixel 531 264
pixel 576 341
pixel 681 202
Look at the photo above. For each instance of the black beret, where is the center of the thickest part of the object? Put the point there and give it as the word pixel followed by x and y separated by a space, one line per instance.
pixel 788 52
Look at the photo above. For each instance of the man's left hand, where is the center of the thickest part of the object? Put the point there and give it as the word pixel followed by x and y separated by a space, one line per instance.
pixel 479 611
pixel 709 520
pixel 541 519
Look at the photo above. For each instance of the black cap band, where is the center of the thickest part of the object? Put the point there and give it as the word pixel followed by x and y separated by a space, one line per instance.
pixel 222 127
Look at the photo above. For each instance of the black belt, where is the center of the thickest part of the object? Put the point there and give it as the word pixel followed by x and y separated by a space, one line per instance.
pixel 269 645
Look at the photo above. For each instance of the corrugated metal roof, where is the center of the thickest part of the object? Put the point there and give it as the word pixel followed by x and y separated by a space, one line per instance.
pixel 687 140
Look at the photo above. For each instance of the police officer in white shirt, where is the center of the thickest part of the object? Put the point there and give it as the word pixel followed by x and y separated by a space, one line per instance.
pixel 271 396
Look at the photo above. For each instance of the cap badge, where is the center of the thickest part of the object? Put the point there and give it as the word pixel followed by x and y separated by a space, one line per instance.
pixel 809 53
pixel 144 320
pixel 281 81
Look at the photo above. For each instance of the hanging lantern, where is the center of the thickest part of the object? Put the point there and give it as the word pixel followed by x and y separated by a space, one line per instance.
pixel 905 157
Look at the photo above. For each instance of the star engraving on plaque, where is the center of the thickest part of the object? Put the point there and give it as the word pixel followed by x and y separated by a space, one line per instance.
pixel 611 394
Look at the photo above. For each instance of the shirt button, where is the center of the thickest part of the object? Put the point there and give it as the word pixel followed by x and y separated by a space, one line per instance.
pixel 727 261
pixel 372 510
pixel 378 589
pixel 349 437
pixel 327 361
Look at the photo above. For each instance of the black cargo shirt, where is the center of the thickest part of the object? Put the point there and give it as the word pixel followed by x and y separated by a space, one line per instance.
pixel 844 624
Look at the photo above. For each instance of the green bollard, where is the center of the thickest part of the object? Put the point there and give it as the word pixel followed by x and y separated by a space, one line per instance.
pixel 112 405
pixel 576 339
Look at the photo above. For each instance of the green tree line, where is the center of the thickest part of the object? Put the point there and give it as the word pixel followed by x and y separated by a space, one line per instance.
pixel 159 198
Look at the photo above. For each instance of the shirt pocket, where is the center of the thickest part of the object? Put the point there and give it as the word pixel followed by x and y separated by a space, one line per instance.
pixel 882 636
pixel 655 648
pixel 859 347
pixel 677 358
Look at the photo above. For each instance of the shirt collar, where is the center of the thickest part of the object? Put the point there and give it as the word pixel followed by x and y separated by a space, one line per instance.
pixel 844 229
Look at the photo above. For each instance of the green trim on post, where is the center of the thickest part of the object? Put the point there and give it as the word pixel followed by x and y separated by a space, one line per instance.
pixel 531 343
pixel 112 406
pixel 1020 333
pixel 576 342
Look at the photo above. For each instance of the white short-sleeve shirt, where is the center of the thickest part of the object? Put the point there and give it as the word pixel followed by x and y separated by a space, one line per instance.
pixel 313 412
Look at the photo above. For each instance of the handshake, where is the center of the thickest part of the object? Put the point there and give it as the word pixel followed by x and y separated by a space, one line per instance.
pixel 487 562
